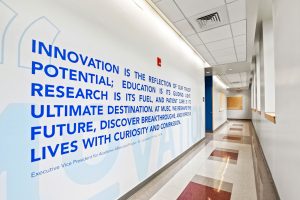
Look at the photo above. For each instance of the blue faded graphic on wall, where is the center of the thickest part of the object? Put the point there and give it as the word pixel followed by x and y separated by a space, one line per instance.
pixel 8 15
pixel 41 28
pixel 14 146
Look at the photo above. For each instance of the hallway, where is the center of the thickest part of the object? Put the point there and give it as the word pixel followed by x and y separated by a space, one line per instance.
pixel 219 168
pixel 149 99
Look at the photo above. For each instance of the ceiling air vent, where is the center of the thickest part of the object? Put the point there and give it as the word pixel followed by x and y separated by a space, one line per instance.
pixel 210 19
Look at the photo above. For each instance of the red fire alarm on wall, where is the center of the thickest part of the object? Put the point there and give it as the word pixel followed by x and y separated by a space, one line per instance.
pixel 158 61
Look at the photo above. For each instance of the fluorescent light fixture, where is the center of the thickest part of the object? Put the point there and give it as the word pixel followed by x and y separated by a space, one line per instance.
pixel 220 82
pixel 230 69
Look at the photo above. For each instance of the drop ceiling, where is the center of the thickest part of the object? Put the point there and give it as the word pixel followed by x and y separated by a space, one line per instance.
pixel 236 80
pixel 225 42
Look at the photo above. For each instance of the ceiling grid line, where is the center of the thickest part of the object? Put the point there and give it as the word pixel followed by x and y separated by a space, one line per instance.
pixel 216 28
pixel 218 31
pixel 235 36
pixel 194 30
pixel 231 31
pixel 219 40
pixel 225 2
pixel 227 80
pixel 171 25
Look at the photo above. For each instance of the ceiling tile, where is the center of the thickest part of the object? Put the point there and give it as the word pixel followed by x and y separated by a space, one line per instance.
pixel 216 34
pixel 240 49
pixel 240 40
pixel 194 40
pixel 212 63
pixel 184 27
pixel 224 79
pixel 222 44
pixel 236 85
pixel 234 77
pixel 241 57
pixel 244 84
pixel 239 28
pixel 223 52
pixel 169 8
pixel 202 49
pixel 226 59
pixel 208 58
pixel 193 7
pixel 237 10
pixel 243 76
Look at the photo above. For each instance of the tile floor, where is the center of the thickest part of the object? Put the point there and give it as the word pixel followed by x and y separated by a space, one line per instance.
pixel 219 168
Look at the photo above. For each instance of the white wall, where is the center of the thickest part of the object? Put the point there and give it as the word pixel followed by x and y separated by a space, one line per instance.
pixel 124 32
pixel 269 78
pixel 281 141
pixel 254 87
pixel 219 115
pixel 258 73
pixel 245 113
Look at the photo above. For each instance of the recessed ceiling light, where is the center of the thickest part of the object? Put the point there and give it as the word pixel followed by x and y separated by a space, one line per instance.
pixel 230 69
pixel 207 72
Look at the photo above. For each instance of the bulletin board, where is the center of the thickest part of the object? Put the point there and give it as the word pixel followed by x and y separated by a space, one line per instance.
pixel 235 103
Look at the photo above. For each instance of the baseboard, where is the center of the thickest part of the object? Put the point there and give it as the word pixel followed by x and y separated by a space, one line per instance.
pixel 220 126
pixel 142 184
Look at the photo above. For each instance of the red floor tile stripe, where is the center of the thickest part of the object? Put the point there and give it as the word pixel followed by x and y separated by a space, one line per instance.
pixel 225 154
pixel 194 191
